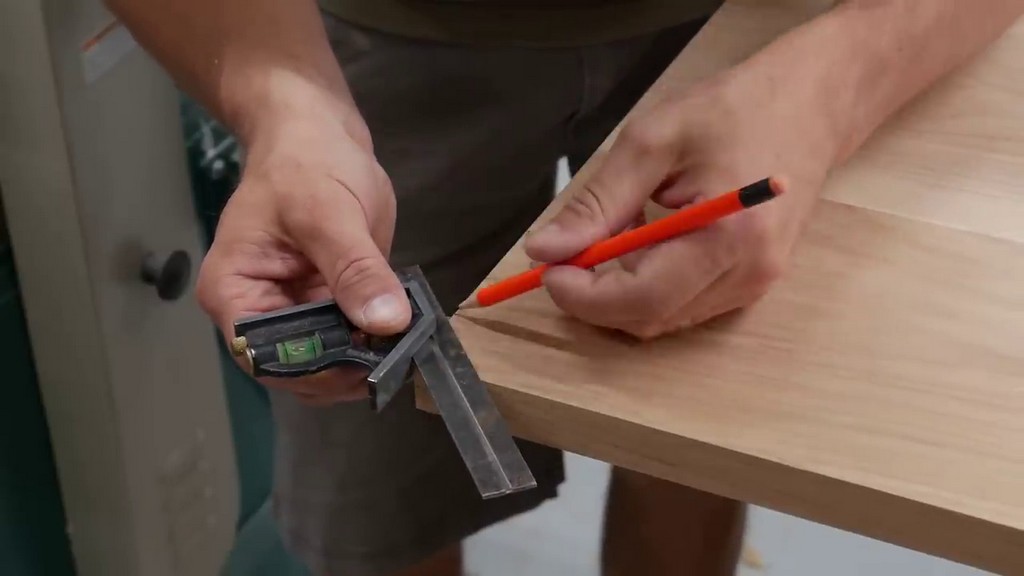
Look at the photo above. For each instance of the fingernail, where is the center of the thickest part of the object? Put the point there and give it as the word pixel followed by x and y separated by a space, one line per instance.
pixel 383 310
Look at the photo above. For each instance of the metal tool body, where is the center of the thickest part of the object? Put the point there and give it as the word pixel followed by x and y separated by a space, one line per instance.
pixel 311 338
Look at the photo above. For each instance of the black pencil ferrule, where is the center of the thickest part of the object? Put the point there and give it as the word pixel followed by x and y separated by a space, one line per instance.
pixel 756 193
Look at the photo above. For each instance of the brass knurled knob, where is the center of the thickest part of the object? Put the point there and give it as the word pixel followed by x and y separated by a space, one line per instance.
pixel 239 345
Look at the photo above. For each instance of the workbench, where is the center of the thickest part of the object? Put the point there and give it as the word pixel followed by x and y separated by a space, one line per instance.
pixel 879 387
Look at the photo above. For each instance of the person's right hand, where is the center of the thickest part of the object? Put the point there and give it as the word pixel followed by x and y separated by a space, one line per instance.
pixel 312 218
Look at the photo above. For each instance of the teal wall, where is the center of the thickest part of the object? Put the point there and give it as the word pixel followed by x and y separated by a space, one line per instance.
pixel 32 537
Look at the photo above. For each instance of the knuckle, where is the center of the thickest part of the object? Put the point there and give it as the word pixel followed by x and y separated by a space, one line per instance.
pixel 353 270
pixel 360 133
pixel 384 183
pixel 389 203
pixel 646 137
pixel 587 205
pixel 377 197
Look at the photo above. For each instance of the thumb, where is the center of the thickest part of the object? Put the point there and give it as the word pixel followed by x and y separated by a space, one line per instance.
pixel 603 205
pixel 338 241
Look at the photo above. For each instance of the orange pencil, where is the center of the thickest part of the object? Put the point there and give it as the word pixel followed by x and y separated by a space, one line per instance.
pixel 684 220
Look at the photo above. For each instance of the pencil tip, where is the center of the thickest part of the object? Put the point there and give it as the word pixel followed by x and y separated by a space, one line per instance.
pixel 469 304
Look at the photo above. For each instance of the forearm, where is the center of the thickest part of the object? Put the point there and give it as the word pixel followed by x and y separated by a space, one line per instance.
pixel 860 62
pixel 253 63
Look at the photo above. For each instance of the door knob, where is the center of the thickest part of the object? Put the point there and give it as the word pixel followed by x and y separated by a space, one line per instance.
pixel 170 276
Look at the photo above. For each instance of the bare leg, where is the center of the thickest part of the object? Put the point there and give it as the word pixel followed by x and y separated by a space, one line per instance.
pixel 658 528
pixel 447 562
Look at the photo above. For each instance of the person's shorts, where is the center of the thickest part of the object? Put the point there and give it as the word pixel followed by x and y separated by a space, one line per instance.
pixel 471 139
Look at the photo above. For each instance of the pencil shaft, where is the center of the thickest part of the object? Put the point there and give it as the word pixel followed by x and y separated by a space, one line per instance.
pixel 684 220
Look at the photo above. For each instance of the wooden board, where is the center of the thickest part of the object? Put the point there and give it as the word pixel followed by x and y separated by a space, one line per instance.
pixel 878 388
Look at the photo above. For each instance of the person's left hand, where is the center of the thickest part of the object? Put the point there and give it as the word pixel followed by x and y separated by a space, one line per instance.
pixel 721 135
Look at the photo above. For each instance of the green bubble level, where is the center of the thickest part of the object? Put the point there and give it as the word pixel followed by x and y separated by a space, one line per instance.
pixel 300 350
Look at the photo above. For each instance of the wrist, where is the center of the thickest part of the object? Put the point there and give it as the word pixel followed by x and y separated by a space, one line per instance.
pixel 815 76
pixel 791 111
pixel 273 102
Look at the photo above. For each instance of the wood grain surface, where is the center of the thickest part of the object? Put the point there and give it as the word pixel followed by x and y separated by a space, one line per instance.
pixel 878 388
